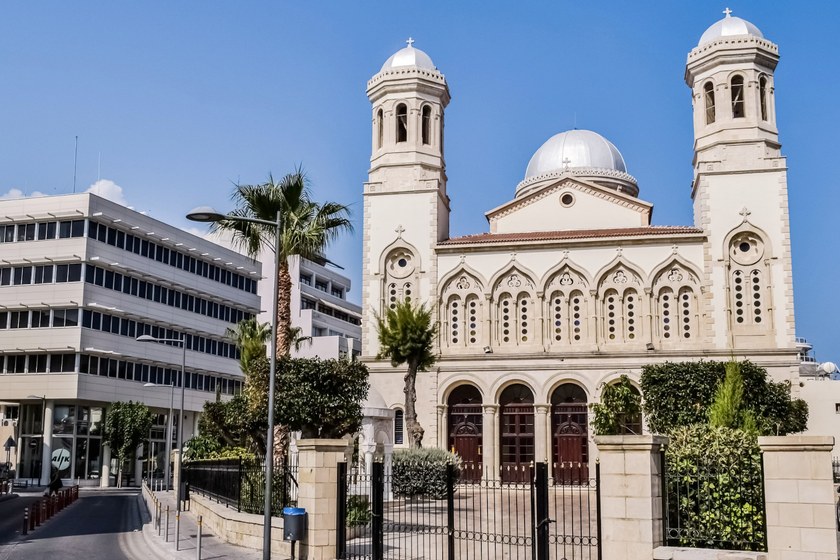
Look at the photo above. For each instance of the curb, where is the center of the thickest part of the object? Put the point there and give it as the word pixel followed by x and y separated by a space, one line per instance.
pixel 155 544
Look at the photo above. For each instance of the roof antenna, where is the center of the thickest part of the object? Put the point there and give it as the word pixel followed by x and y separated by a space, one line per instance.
pixel 575 127
pixel 75 161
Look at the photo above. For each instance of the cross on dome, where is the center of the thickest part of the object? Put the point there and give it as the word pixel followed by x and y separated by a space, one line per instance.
pixel 728 12
pixel 410 42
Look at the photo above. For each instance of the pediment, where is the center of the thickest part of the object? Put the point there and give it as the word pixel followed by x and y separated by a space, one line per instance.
pixel 569 203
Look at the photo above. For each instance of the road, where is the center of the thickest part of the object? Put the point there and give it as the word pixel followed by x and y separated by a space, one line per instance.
pixel 11 517
pixel 101 525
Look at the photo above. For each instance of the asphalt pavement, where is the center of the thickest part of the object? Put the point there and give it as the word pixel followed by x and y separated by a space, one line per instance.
pixel 11 516
pixel 101 525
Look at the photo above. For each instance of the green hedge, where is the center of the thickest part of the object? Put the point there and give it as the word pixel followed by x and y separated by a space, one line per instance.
pixel 715 488
pixel 417 472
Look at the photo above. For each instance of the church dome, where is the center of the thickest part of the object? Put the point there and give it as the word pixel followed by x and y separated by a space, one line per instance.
pixel 727 27
pixel 409 56
pixel 575 149
pixel 582 153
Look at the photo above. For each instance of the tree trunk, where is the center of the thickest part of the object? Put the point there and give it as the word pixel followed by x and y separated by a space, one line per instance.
pixel 412 426
pixel 284 311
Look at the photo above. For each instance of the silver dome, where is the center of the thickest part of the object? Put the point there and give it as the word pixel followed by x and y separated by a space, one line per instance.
pixel 727 27
pixel 409 56
pixel 581 153
pixel 575 149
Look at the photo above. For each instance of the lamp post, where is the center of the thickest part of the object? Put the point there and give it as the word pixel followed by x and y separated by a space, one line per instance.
pixel 43 427
pixel 180 441
pixel 166 469
pixel 206 214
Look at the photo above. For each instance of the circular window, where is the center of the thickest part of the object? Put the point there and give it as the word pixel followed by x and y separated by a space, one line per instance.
pixel 744 247
pixel 402 263
pixel 567 199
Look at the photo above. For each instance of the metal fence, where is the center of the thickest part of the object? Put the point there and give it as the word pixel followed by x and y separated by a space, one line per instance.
pixel 475 517
pixel 835 465
pixel 710 506
pixel 240 483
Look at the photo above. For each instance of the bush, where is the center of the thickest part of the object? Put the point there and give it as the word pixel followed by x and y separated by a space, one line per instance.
pixel 620 409
pixel 423 472
pixel 715 490
pixel 358 511
pixel 678 394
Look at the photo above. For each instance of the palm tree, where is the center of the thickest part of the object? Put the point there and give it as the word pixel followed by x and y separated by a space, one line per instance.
pixel 250 337
pixel 406 336
pixel 306 229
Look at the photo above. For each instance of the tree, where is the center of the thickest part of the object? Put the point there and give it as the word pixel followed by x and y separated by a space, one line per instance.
pixel 306 229
pixel 728 409
pixel 126 426
pixel 680 394
pixel 406 336
pixel 250 338
pixel 620 409
pixel 321 398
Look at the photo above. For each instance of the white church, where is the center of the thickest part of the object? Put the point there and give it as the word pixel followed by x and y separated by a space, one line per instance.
pixel 572 286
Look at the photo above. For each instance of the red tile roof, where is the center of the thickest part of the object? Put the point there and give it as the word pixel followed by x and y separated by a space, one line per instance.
pixel 570 234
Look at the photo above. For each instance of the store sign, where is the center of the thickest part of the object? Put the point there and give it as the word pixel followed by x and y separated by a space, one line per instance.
pixel 61 459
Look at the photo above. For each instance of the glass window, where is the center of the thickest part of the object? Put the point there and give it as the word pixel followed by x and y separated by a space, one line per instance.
pixel 19 320
pixel 40 318
pixel 77 228
pixel 64 229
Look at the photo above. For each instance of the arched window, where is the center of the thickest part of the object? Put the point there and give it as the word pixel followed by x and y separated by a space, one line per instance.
pixel 400 267
pixel 399 425
pixel 748 288
pixel 621 307
pixel 465 429
pixel 709 100
pixel 461 316
pixel 380 129
pixel 427 125
pixel 402 123
pixel 762 96
pixel 737 91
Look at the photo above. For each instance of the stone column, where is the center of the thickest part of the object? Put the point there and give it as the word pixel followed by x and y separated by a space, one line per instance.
pixel 105 470
pixel 317 494
pixel 139 473
pixel 488 441
pixel 541 431
pixel 799 496
pixel 46 442
pixel 631 495
pixel 443 428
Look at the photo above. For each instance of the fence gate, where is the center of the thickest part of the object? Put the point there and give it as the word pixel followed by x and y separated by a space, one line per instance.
pixel 472 517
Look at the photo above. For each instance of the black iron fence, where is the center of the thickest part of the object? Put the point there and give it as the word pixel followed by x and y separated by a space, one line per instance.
pixel 707 506
pixel 240 483
pixel 478 516
pixel 835 465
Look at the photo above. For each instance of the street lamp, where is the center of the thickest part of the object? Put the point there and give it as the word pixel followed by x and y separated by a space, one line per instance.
pixel 180 441
pixel 43 399
pixel 208 214
pixel 166 469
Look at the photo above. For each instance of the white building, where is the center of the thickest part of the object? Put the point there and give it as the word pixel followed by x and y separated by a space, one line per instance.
pixel 81 277
pixel 571 286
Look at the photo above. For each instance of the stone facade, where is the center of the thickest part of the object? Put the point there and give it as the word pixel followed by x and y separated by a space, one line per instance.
pixel 572 286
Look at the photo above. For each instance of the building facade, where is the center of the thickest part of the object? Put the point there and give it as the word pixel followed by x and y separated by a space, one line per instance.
pixel 81 278
pixel 572 287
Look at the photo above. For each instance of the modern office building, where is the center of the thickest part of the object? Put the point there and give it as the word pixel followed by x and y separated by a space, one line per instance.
pixel 81 278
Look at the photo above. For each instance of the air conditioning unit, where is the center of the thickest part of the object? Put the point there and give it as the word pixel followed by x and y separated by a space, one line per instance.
pixel 10 422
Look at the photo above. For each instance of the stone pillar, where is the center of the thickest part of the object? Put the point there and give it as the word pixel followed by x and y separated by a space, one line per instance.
pixel 488 441
pixel 631 495
pixel 317 494
pixel 443 428
pixel 139 473
pixel 46 442
pixel 105 470
pixel 541 431
pixel 799 496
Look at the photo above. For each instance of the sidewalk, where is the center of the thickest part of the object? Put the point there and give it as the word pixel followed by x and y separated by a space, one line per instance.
pixel 211 546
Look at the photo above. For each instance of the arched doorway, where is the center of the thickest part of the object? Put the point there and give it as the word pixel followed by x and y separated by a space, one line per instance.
pixel 569 434
pixel 465 429
pixel 516 433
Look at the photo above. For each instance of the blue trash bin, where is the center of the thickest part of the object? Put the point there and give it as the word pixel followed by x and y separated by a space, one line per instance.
pixel 294 523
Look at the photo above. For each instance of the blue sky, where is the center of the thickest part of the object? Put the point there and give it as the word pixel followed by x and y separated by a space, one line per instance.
pixel 175 101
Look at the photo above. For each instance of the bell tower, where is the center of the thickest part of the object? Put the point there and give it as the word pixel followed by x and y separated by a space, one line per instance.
pixel 740 187
pixel 406 208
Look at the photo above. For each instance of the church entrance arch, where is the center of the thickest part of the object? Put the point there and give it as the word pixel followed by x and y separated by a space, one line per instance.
pixel 569 434
pixel 465 429
pixel 516 438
